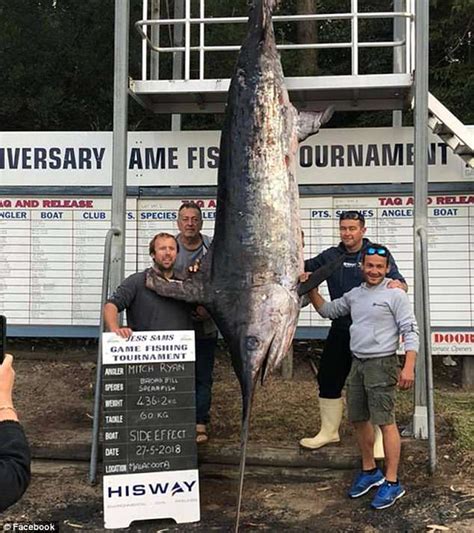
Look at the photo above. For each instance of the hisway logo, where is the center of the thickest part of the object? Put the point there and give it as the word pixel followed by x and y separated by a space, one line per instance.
pixel 143 489
pixel 176 488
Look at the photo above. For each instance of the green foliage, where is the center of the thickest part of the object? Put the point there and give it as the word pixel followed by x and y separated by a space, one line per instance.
pixel 452 55
pixel 57 59
pixel 53 57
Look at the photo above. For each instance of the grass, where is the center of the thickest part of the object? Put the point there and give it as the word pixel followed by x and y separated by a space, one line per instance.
pixel 457 409
pixel 284 411
pixel 454 416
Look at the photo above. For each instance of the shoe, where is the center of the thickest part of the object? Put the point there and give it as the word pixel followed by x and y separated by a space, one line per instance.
pixel 387 495
pixel 331 416
pixel 449 361
pixel 201 434
pixel 364 482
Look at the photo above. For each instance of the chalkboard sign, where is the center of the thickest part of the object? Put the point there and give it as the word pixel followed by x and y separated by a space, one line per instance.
pixel 149 428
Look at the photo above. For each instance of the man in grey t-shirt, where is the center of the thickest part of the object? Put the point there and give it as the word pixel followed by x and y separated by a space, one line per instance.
pixel 146 310
pixel 379 317
pixel 193 245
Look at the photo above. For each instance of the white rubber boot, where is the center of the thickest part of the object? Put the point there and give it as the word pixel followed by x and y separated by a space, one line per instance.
pixel 379 452
pixel 331 416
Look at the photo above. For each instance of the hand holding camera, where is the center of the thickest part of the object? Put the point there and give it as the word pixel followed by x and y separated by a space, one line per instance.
pixel 7 378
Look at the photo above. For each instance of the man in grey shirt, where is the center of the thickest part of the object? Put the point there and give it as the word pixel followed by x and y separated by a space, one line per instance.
pixel 379 316
pixel 146 310
pixel 193 245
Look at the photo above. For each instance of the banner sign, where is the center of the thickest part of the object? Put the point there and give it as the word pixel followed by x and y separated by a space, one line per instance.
pixel 453 342
pixel 190 158
pixel 149 429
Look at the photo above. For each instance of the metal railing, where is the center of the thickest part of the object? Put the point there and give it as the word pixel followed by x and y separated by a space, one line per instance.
pixel 425 329
pixel 112 232
pixel 147 25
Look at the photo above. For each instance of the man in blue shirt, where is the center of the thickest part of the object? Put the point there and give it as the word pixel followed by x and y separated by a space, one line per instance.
pixel 336 359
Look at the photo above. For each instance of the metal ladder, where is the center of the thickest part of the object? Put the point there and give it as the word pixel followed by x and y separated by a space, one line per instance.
pixel 453 132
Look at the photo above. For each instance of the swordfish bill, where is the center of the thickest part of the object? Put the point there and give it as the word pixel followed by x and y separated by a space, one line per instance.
pixel 248 280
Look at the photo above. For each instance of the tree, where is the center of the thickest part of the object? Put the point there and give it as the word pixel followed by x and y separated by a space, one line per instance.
pixel 452 56
pixel 57 59
pixel 307 32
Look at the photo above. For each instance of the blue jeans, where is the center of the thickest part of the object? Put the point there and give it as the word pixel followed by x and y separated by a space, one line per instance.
pixel 205 355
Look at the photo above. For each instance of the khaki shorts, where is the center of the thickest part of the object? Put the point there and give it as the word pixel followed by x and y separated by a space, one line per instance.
pixel 371 387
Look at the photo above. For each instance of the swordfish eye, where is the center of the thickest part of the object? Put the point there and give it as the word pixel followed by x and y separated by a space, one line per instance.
pixel 252 343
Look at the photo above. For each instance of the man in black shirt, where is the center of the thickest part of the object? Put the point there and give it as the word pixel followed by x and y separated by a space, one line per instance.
pixel 336 359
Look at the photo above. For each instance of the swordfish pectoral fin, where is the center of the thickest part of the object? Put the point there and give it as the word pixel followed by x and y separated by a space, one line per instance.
pixel 310 122
pixel 190 290
pixel 320 275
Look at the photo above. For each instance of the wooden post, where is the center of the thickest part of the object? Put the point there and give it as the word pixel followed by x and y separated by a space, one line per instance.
pixel 468 372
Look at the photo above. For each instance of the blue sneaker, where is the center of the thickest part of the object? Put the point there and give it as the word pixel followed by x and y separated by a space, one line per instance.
pixel 387 495
pixel 364 482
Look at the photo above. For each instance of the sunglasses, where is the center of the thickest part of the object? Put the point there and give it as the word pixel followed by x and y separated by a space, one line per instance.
pixel 352 215
pixel 377 251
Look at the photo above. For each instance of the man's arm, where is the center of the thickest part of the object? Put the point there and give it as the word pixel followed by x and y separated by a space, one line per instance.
pixel 15 460
pixel 7 378
pixel 408 328
pixel 407 375
pixel 310 265
pixel 121 299
pixel 334 309
pixel 406 321
pixel 15 457
pixel 316 299
pixel 111 314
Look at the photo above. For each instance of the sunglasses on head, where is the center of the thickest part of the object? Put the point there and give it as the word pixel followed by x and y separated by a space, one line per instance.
pixel 352 215
pixel 377 251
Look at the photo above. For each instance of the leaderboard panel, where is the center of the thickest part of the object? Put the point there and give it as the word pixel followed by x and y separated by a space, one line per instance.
pixel 389 221
pixel 51 258
pixel 51 250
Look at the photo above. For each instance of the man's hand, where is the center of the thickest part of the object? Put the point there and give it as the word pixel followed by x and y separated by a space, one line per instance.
pixel 304 276
pixel 192 269
pixel 112 322
pixel 125 333
pixel 200 314
pixel 407 377
pixel 7 378
pixel 397 284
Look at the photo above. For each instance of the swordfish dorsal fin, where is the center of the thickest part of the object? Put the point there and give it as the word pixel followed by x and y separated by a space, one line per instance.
pixel 309 122
pixel 193 289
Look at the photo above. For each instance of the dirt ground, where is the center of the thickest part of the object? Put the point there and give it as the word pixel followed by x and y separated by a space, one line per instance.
pixel 54 393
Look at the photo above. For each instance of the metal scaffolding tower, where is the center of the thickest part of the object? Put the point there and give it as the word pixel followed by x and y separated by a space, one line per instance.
pixel 188 90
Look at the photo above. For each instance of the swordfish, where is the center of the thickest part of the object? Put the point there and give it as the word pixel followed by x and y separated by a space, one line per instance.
pixel 249 279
